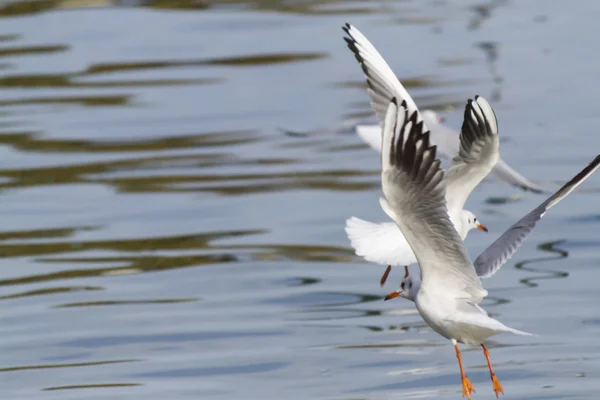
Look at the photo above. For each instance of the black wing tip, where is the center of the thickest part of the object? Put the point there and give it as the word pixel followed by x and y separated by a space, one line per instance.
pixel 346 28
pixel 576 180
pixel 407 154
pixel 395 101
pixel 535 190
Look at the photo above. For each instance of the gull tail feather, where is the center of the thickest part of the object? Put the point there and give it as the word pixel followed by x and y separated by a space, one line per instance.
pixel 362 234
pixel 518 332
pixel 381 243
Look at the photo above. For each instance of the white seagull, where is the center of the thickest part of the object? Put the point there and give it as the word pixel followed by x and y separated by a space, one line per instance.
pixel 449 291
pixel 383 243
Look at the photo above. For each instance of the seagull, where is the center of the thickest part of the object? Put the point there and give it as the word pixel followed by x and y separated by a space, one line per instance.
pixel 383 243
pixel 448 293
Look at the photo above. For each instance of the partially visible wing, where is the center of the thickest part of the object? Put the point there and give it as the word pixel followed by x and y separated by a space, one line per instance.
pixel 512 177
pixel 383 83
pixel 382 243
pixel 371 135
pixel 477 155
pixel 447 142
pixel 347 126
pixel 413 185
pixel 444 138
pixel 506 245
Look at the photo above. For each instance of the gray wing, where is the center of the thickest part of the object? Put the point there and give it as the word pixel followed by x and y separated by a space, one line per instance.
pixel 413 185
pixel 512 177
pixel 506 245
pixel 477 154
pixel 383 83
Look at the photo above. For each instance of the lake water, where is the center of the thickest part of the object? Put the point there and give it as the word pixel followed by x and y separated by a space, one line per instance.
pixel 162 239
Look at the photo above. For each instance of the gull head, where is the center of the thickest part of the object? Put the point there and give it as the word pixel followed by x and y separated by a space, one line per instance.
pixel 432 118
pixel 409 287
pixel 470 221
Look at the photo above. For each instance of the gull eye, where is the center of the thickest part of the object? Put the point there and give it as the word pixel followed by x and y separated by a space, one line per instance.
pixel 410 285
pixel 402 285
pixel 475 220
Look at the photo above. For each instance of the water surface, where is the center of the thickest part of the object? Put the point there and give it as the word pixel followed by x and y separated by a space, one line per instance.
pixel 162 238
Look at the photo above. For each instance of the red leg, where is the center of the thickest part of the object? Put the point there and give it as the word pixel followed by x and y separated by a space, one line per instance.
pixel 467 387
pixel 385 275
pixel 495 383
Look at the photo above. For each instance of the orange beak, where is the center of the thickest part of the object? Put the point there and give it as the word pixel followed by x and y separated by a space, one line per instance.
pixel 392 295
pixel 482 227
pixel 442 119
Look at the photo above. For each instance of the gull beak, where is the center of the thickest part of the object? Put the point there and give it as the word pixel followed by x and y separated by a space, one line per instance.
pixel 392 295
pixel 482 227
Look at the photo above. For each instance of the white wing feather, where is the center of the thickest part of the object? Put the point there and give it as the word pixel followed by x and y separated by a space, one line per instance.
pixel 383 83
pixel 381 243
pixel 477 155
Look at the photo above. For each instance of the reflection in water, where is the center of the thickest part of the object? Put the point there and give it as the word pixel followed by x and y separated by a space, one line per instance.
pixel 490 49
pixel 217 371
pixel 483 12
pixel 301 281
pixel 52 290
pixel 124 303
pixel 504 200
pixel 178 337
pixel 393 345
pixel 315 7
pixel 238 61
pixel 68 365
pixel 92 386
pixel 5 52
pixel 549 247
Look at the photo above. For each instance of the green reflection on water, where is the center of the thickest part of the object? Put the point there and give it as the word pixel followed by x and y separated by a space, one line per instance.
pixel 54 290
pixel 315 7
pixel 245 60
pixel 125 302
pixel 8 51
pixel 69 365
pixel 89 101
pixel 92 386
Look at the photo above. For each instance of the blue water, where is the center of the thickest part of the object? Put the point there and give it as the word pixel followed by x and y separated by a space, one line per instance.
pixel 162 238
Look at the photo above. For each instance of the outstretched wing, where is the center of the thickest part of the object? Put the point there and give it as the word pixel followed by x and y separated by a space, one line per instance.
pixel 506 245
pixel 413 185
pixel 477 154
pixel 383 83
